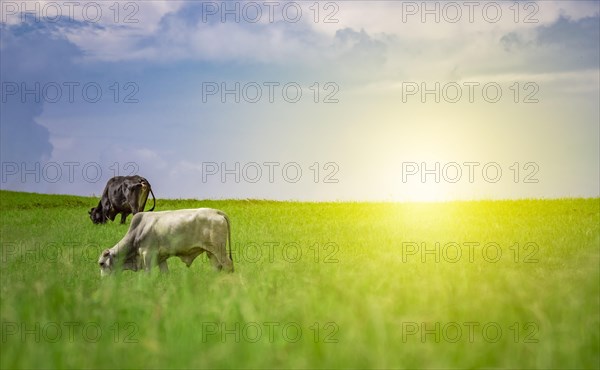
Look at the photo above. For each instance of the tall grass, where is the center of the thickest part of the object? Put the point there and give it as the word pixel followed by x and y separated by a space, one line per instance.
pixel 317 285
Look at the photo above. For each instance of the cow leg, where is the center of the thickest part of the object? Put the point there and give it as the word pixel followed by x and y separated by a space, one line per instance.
pixel 134 204
pixel 221 262
pixel 123 217
pixel 214 260
pixel 142 198
pixel 164 268
pixel 225 263
pixel 147 261
pixel 106 210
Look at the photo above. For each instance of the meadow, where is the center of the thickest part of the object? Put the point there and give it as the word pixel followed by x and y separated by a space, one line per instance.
pixel 479 284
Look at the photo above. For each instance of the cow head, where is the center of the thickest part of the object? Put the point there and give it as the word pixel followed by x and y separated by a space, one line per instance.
pixel 109 263
pixel 106 262
pixel 97 216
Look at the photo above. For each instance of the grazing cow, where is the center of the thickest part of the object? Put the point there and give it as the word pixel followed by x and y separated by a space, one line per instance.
pixel 154 237
pixel 124 195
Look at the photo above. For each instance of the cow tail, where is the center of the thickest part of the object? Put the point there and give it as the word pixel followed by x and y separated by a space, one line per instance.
pixel 153 199
pixel 228 235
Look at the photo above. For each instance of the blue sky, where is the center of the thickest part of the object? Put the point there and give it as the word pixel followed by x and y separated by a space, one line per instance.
pixel 363 145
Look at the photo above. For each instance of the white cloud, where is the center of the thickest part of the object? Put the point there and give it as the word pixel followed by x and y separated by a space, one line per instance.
pixel 168 31
pixel 381 45
pixel 451 19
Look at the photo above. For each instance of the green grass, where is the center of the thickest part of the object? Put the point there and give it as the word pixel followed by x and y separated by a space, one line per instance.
pixel 341 273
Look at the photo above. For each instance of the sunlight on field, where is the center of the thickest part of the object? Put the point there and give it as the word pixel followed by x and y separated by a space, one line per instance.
pixel 509 284
pixel 420 192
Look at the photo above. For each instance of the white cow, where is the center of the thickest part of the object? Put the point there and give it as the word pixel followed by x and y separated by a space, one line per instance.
pixel 155 236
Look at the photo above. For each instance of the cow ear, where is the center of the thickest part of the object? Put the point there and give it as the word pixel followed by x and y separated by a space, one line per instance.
pixel 106 253
pixel 90 211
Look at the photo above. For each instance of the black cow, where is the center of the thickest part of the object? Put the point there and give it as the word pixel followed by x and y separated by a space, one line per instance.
pixel 124 195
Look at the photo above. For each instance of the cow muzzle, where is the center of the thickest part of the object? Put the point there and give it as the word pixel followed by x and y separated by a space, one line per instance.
pixel 105 272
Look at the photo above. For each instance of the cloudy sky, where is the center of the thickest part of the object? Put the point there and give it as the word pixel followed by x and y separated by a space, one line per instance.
pixel 340 100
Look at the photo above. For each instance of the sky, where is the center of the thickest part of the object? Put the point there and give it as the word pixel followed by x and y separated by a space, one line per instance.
pixel 306 100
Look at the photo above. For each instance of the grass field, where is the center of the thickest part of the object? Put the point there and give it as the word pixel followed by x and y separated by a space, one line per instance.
pixel 509 284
